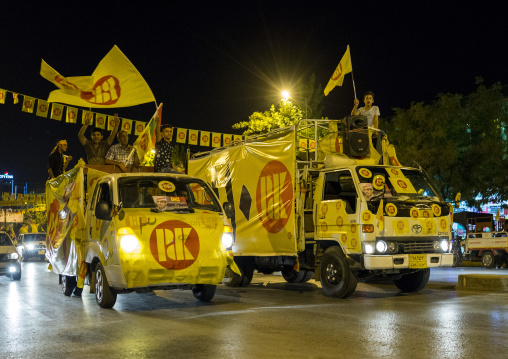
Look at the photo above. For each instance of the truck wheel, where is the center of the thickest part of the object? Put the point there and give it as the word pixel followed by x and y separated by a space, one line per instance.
pixel 488 260
pixel 233 279
pixel 247 277
pixel 68 283
pixel 204 292
pixel 335 274
pixel 292 276
pixel 105 296
pixel 413 282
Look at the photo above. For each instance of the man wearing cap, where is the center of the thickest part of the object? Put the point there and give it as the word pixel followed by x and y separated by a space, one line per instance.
pixel 57 162
pixel 163 148
pixel 96 149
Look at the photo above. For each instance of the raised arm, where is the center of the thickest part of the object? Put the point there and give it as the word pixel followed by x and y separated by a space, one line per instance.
pixel 354 111
pixel 81 133
pixel 112 135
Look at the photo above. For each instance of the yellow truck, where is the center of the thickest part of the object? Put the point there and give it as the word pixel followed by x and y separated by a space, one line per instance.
pixel 328 199
pixel 124 232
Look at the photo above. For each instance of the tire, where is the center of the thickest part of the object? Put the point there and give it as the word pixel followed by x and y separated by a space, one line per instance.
pixel 292 276
pixel 413 282
pixel 247 277
pixel 233 279
pixel 17 276
pixel 204 292
pixel 488 260
pixel 335 274
pixel 456 260
pixel 68 283
pixel 104 296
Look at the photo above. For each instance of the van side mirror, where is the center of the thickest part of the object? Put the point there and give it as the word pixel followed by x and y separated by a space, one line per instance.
pixel 229 209
pixel 102 211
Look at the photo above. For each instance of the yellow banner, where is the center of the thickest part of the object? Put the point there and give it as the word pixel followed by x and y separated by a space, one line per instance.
pixel 204 138
pixel 116 83
pixel 237 138
pixel 2 95
pixel 181 135
pixel 69 85
pixel 126 125
pixel 87 116
pixel 139 126
pixel 56 111
pixel 216 139
pixel 15 97
pixel 193 137
pixel 111 123
pixel 72 115
pixel 28 104
pixel 100 120
pixel 342 69
pixel 42 108
pixel 227 139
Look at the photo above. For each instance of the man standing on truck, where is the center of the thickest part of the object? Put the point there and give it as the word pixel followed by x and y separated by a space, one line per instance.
pixel 96 149
pixel 122 154
pixel 371 112
pixel 163 148
pixel 57 162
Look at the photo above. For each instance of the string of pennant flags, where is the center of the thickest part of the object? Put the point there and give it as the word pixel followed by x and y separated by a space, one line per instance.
pixel 59 112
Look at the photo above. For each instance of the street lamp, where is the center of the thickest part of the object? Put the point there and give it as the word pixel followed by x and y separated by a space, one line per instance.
pixel 285 95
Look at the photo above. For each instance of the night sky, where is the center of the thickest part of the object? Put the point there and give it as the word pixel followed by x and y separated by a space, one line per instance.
pixel 214 65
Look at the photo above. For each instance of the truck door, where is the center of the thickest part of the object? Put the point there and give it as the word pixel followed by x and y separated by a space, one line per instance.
pixel 96 227
pixel 337 213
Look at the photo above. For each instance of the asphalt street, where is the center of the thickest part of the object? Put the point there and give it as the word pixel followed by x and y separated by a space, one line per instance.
pixel 268 319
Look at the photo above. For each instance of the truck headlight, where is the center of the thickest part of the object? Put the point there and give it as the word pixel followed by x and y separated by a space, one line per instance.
pixel 30 247
pixel 227 237
pixel 369 247
pixel 128 240
pixel 381 246
pixel 12 256
pixel 444 245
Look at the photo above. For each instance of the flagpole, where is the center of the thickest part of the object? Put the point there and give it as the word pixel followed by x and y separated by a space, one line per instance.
pixel 352 77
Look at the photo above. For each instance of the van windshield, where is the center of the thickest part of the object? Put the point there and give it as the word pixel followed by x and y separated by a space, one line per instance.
pixel 400 184
pixel 166 194
pixel 32 237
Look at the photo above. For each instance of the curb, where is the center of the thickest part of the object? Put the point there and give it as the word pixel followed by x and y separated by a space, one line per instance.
pixel 484 282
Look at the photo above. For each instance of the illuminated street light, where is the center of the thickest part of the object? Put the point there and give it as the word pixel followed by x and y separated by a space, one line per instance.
pixel 285 95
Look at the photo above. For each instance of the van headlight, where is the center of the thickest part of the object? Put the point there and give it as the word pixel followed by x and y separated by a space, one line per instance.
pixel 30 247
pixel 12 256
pixel 227 237
pixel 128 240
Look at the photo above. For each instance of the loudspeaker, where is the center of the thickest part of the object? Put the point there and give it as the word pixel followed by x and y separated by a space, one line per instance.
pixel 357 136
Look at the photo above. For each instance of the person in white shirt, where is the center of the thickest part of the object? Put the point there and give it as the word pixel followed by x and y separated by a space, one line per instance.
pixel 371 112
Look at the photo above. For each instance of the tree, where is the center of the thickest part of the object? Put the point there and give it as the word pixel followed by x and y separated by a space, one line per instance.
pixel 459 141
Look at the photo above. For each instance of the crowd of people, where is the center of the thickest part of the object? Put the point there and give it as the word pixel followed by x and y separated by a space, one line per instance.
pixel 100 151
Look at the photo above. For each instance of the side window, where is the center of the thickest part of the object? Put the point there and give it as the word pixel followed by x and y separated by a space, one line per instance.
pixel 340 185
pixel 102 193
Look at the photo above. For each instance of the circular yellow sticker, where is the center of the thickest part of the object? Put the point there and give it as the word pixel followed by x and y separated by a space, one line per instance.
pixel 436 209
pixel 450 206
pixel 364 172
pixel 378 182
pixel 166 186
pixel 366 216
pixel 391 209
pixel 414 213
pixel 395 172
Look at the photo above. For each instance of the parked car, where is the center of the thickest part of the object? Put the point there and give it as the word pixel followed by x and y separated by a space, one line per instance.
pixel 32 245
pixel 10 264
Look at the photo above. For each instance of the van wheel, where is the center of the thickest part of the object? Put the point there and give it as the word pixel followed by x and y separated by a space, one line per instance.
pixel 335 274
pixel 68 283
pixel 488 260
pixel 204 292
pixel 413 282
pixel 105 296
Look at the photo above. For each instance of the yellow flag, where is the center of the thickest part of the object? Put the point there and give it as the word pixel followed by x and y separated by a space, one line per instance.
pixel 498 217
pixel 204 138
pixel 146 140
pixel 2 95
pixel 139 126
pixel 341 70
pixel 116 83
pixel 56 111
pixel 28 104
pixel 227 139
pixel 15 97
pixel 100 120
pixel 42 108
pixel 216 139
pixel 181 135
pixel 85 116
pixel 193 137
pixel 111 125
pixel 72 115
pixel 237 138
pixel 379 216
pixel 126 125
pixel 69 85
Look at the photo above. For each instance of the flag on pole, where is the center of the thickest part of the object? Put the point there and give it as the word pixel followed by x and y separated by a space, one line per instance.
pixel 28 104
pixel 193 137
pixel 56 112
pixel 379 216
pixel 341 70
pixel 69 85
pixel 42 108
pixel 146 140
pixel 115 83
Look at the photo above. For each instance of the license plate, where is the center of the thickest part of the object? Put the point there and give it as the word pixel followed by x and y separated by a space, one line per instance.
pixel 417 261
pixel 41 252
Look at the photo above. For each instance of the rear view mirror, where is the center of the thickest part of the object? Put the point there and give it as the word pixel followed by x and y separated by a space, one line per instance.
pixel 229 209
pixel 102 211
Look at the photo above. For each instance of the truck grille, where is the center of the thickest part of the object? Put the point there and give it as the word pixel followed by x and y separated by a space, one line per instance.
pixel 417 247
